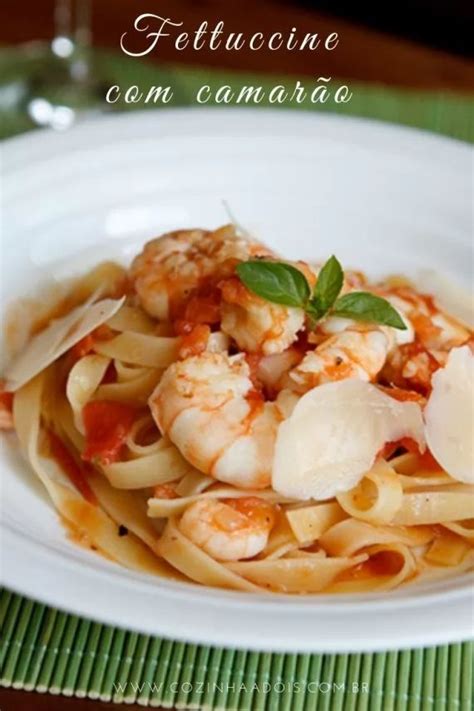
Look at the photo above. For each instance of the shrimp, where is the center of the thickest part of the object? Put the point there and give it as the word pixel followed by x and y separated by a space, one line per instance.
pixel 354 280
pixel 348 349
pixel 412 365
pixel 256 325
pixel 271 371
pixel 435 330
pixel 406 358
pixel 208 407
pixel 171 267
pixel 352 353
pixel 230 529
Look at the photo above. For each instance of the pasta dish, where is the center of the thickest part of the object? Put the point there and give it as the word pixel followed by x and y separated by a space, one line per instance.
pixel 215 414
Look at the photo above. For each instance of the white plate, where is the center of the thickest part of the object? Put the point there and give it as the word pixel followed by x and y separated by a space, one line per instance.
pixel 384 199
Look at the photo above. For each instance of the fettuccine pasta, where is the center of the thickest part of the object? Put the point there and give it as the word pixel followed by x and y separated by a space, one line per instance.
pixel 189 418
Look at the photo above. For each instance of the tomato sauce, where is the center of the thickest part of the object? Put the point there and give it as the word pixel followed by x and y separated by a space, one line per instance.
pixel 164 491
pixel 253 361
pixel 106 424
pixel 194 338
pixel 204 306
pixel 6 398
pixel 426 461
pixel 86 344
pixel 68 464
pixel 402 395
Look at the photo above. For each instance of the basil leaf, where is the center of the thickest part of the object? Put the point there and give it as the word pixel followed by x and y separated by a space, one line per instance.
pixel 363 306
pixel 328 286
pixel 275 281
pixel 314 310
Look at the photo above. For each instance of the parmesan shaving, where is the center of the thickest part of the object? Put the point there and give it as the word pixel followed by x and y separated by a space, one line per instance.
pixel 61 335
pixel 333 437
pixel 449 415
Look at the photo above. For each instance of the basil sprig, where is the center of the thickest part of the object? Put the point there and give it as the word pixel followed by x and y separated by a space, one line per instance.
pixel 282 283
pixel 326 291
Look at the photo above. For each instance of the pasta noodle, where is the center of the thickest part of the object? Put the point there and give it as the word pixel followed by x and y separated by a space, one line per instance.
pixel 349 536
pixel 387 566
pixel 429 507
pixel 143 426
pixel 282 540
pixel 159 468
pixel 431 572
pixel 380 505
pixel 84 379
pixel 462 528
pixel 126 372
pixel 310 522
pixel 295 575
pixel 87 518
pixel 134 391
pixel 193 483
pixel 447 550
pixel 140 349
pixel 193 562
pixel 159 508
pixel 131 318
pixel 150 409
pixel 127 509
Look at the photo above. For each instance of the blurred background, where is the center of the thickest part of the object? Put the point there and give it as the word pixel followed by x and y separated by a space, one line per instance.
pixel 57 57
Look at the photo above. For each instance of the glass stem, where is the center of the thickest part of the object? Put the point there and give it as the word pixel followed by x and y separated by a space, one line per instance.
pixel 82 35
pixel 63 19
pixel 72 36
pixel 81 26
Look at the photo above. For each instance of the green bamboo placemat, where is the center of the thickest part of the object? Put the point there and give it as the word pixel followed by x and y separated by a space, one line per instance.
pixel 47 650
pixel 442 111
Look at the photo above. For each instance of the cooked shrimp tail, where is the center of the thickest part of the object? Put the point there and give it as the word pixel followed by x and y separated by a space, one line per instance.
pixel 231 529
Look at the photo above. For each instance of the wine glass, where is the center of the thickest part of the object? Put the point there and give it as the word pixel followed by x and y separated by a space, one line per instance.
pixel 54 83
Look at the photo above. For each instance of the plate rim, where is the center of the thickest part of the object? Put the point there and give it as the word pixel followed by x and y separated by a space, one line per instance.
pixel 214 119
pixel 213 628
